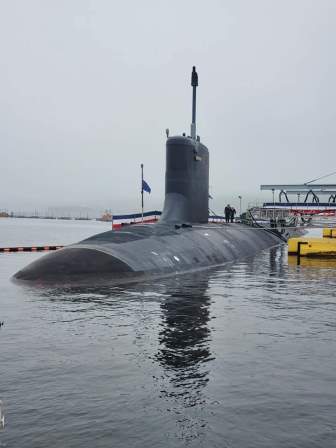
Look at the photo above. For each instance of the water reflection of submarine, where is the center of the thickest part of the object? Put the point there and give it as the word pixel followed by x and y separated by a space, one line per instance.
pixel 184 346
pixel 182 240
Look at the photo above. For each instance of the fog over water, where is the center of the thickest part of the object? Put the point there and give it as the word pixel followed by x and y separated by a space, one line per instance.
pixel 88 89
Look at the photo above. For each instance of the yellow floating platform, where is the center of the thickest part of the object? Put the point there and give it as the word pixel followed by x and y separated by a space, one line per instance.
pixel 329 233
pixel 312 247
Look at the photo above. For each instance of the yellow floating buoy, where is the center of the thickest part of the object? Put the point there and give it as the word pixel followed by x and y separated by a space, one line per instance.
pixel 329 233
pixel 312 247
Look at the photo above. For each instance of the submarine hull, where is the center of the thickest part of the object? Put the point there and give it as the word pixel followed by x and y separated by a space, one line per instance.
pixel 157 249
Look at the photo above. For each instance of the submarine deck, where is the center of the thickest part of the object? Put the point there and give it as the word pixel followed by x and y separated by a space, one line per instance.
pixel 161 248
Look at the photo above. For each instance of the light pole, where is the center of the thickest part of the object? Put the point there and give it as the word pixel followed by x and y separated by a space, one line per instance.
pixel 142 193
pixel 240 203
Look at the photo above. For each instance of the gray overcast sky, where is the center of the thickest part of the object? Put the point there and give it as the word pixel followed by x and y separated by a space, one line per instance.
pixel 89 87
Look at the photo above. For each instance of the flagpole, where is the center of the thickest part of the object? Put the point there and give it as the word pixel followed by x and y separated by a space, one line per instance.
pixel 142 194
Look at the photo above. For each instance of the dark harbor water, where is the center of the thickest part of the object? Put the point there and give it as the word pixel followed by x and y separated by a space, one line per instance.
pixel 241 356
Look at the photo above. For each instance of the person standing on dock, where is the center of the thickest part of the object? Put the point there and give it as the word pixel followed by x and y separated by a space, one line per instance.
pixel 227 213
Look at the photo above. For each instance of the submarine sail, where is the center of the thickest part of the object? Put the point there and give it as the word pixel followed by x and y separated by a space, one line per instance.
pixel 187 174
pixel 181 241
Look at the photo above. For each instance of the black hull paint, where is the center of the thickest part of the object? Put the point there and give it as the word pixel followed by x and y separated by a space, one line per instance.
pixel 153 250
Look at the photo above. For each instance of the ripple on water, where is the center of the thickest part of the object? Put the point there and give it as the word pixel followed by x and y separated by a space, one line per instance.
pixel 241 355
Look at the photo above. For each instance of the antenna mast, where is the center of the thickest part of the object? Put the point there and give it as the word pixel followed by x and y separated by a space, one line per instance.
pixel 194 83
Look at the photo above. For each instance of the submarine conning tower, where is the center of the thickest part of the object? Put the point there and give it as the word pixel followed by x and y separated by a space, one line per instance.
pixel 187 174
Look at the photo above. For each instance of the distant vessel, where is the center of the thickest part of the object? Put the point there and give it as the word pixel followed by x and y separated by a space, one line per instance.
pixel 82 218
pixel 106 216
pixel 181 241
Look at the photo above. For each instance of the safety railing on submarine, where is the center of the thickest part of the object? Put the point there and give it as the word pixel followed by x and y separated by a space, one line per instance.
pixel 276 226
pixel 246 218
pixel 153 216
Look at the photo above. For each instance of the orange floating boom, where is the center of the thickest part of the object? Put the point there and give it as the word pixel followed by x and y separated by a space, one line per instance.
pixel 29 249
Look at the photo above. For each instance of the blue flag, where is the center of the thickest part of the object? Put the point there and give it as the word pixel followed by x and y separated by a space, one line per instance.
pixel 146 187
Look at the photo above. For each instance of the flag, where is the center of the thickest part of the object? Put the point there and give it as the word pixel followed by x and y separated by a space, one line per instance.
pixel 145 186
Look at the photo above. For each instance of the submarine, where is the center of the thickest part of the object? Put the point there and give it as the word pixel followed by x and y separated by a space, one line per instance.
pixel 181 241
